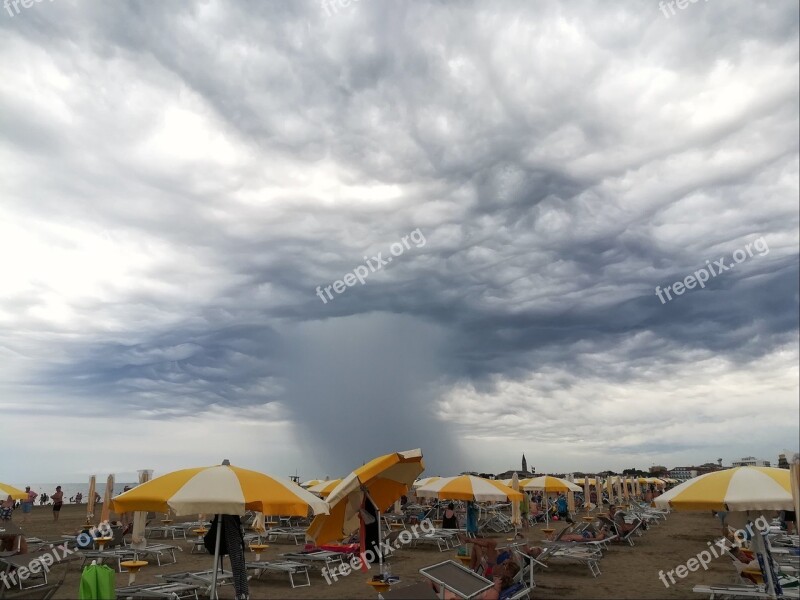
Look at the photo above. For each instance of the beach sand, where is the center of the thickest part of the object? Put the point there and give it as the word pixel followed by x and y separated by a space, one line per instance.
pixel 627 572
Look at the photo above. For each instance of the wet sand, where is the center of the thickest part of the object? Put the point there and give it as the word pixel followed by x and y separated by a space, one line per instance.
pixel 627 572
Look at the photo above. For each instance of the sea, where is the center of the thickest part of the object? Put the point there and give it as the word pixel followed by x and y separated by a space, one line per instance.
pixel 71 489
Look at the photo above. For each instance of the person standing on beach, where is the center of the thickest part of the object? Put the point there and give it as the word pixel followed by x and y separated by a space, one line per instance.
pixel 27 504
pixel 58 502
pixel 6 509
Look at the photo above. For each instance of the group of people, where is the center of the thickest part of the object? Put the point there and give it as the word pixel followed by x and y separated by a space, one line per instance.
pixel 26 504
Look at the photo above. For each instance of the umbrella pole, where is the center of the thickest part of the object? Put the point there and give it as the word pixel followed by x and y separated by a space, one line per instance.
pixel 213 595
pixel 380 539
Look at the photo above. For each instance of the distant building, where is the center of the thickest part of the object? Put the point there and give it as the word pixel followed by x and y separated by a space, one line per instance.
pixel 750 461
pixel 709 467
pixel 683 473
pixel 782 462
pixel 658 470
pixel 524 464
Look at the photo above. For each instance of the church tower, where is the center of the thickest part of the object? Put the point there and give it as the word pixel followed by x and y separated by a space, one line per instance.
pixel 524 464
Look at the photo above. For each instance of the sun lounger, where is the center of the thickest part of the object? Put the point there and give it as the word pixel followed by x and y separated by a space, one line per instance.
pixel 739 591
pixel 296 534
pixel 14 562
pixel 200 578
pixel 289 567
pixel 418 591
pixel 457 579
pixel 320 558
pixel 442 541
pixel 171 591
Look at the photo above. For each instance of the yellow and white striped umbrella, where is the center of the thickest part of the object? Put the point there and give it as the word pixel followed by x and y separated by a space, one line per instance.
pixel 385 479
pixel 324 488
pixel 221 489
pixel 467 487
pixel 311 483
pixel 424 481
pixel 9 490
pixel 582 481
pixel 741 488
pixel 547 483
pixel 509 481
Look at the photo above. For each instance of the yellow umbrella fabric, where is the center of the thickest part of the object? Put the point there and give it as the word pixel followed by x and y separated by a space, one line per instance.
pixel 105 513
pixel 90 501
pixel 737 489
pixel 9 490
pixel 547 483
pixel 384 479
pixel 324 488
pixel 220 489
pixel 468 487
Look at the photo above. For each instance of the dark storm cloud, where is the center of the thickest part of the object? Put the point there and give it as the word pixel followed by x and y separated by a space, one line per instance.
pixel 209 165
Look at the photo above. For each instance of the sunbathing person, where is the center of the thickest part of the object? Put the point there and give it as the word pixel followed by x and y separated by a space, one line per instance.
pixel 502 581
pixel 484 552
pixel 587 535
pixel 619 520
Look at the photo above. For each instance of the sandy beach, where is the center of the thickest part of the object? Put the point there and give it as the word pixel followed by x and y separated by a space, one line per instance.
pixel 627 572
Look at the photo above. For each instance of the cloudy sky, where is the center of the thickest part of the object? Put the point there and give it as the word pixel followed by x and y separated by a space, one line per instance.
pixel 180 181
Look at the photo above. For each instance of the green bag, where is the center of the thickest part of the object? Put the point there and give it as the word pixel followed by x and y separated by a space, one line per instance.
pixel 97 583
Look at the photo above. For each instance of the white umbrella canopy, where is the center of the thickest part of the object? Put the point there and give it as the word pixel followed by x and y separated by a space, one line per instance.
pixel 547 483
pixel 737 489
pixel 424 481
pixel 468 487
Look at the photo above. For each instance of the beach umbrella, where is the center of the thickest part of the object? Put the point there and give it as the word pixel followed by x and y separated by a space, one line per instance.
pixel 468 487
pixel 311 482
pixel 223 490
pixel 90 501
pixel 324 488
pixel 9 490
pixel 625 491
pixel 375 485
pixel 794 475
pixel 548 483
pixel 516 521
pixel 587 504
pixel 737 489
pixel 105 513
pixel 610 490
pixel 424 481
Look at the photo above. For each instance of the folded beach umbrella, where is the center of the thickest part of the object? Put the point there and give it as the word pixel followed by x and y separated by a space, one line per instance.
pixel 794 475
pixel 9 490
pixel 324 488
pixel 516 519
pixel 737 489
pixel 467 487
pixel 379 483
pixel 90 501
pixel 221 490
pixel 587 504
pixel 105 512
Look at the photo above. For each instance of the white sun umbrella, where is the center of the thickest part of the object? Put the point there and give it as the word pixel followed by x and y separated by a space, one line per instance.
pixel 737 489
pixel 794 475
pixel 424 481
pixel 138 540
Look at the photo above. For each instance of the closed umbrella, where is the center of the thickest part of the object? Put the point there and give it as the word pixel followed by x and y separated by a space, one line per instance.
pixel 140 517
pixel 610 489
pixel 90 502
pixel 105 513
pixel 794 475
pixel 224 490
pixel 625 491
pixel 515 518
pixel 737 489
pixel 586 496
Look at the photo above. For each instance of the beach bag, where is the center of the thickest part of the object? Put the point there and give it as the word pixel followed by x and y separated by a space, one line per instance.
pixel 210 539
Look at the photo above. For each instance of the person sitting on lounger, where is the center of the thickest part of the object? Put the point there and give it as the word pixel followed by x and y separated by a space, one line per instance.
pixel 449 518
pixel 587 535
pixel 619 520
pixel 484 553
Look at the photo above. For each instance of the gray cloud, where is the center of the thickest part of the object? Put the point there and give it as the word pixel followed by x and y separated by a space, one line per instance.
pixel 178 180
